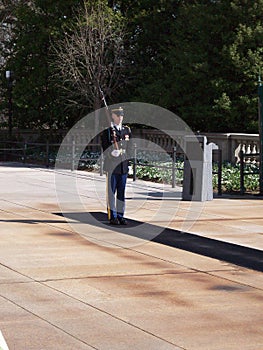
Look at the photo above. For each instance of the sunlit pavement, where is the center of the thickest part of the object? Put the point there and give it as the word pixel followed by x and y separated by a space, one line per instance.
pixel 181 275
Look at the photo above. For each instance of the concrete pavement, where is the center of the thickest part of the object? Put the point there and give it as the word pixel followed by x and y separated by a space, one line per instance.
pixel 176 278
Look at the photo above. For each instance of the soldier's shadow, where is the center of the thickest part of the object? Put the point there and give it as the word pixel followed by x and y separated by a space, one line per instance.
pixel 229 252
pixel 134 228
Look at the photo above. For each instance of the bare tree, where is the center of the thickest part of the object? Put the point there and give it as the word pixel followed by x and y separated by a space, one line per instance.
pixel 92 55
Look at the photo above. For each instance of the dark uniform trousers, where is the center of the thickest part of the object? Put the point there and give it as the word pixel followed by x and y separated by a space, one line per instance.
pixel 116 205
pixel 116 168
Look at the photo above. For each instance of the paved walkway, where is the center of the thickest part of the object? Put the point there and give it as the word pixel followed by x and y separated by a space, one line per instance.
pixel 182 275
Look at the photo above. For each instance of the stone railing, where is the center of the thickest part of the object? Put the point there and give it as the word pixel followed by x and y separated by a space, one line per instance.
pixel 157 137
pixel 232 143
pixel 229 143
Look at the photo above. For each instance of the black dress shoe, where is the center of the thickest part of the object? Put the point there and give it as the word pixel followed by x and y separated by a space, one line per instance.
pixel 123 221
pixel 114 221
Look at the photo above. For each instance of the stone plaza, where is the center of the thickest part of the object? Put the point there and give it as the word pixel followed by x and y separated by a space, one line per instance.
pixel 181 275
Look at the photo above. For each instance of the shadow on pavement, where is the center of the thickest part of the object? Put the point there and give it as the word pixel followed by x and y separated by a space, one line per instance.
pixel 229 252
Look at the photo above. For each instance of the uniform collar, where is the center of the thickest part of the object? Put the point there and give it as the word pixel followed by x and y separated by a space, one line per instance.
pixel 118 127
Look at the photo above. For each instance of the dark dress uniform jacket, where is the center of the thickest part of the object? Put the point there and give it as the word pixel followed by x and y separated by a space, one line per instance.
pixel 117 165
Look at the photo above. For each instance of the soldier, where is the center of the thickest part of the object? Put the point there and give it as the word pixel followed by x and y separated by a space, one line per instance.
pixel 116 145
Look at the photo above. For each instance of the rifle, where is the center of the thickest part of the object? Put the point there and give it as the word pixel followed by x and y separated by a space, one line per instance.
pixel 115 142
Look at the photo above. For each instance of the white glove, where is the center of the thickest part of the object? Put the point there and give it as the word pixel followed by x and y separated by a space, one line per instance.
pixel 116 153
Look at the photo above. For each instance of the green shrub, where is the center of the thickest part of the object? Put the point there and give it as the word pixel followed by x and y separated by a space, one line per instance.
pixel 231 178
pixel 230 175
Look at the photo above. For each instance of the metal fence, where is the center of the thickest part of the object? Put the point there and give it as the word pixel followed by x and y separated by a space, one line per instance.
pixel 249 165
pixel 45 154
pixel 29 152
pixel 169 162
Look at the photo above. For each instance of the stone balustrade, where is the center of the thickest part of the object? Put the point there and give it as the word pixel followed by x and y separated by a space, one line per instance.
pixel 229 143
pixel 232 143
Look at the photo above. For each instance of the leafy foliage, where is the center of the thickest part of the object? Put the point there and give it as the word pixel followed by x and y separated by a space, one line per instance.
pixel 37 101
pixel 230 176
pixel 199 59
pixel 206 69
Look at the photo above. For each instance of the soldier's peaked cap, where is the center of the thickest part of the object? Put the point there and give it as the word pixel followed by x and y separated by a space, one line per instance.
pixel 118 111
